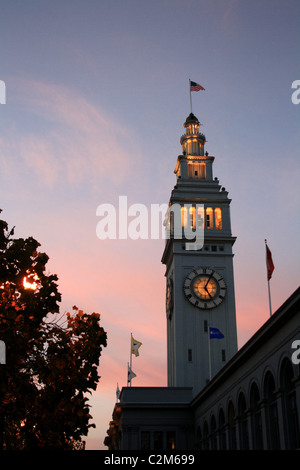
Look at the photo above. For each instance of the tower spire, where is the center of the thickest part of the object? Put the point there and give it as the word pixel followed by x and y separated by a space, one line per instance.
pixel 192 141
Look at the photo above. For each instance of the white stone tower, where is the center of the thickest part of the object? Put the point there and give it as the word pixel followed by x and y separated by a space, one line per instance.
pixel 200 284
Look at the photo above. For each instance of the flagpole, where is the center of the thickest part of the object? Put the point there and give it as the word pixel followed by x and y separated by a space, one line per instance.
pixel 269 291
pixel 130 357
pixel 190 95
pixel 209 352
pixel 270 306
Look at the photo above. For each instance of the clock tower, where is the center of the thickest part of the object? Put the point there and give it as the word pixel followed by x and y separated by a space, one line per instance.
pixel 199 277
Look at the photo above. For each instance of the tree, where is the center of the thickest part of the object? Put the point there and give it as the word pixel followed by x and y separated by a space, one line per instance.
pixel 51 360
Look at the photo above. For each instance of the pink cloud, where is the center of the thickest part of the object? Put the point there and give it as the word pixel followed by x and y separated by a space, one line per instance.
pixel 80 142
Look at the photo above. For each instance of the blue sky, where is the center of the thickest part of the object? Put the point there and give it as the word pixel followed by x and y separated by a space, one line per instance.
pixel 96 96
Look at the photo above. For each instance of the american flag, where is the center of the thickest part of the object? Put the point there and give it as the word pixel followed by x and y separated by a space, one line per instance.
pixel 195 86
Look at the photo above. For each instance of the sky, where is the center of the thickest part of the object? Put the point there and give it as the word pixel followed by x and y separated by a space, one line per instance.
pixel 97 92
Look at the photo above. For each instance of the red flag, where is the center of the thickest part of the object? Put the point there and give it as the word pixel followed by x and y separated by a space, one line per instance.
pixel 270 264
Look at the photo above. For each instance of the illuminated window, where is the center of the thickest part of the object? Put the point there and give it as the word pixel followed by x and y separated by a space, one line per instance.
pixel 184 216
pixel 218 218
pixel 209 218
pixel 170 440
pixel 196 170
pixel 200 217
pixel 202 170
pixel 192 217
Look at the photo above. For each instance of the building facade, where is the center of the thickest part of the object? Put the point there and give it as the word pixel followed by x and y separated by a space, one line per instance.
pixel 254 401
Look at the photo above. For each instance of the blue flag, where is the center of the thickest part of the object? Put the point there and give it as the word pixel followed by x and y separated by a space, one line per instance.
pixel 215 333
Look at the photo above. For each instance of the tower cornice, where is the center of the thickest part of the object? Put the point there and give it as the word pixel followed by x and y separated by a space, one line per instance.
pixel 197 158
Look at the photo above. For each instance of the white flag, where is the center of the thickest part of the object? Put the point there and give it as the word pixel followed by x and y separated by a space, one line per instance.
pixel 135 345
pixel 131 374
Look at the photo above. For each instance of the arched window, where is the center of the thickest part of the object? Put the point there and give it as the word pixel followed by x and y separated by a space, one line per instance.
pixel 218 218
pixel 202 170
pixel 184 216
pixel 205 436
pixel 243 424
pixel 290 405
pixel 231 426
pixel 222 431
pixel 192 217
pixel 200 217
pixel 209 218
pixel 257 436
pixel 198 438
pixel 176 219
pixel 213 427
pixel 271 412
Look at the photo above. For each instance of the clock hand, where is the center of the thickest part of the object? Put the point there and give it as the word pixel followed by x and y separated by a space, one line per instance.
pixel 210 295
pixel 205 287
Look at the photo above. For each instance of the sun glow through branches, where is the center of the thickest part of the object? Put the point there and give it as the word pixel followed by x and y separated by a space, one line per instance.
pixel 30 285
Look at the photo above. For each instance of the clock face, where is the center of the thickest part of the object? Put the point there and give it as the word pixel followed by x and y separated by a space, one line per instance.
pixel 204 288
